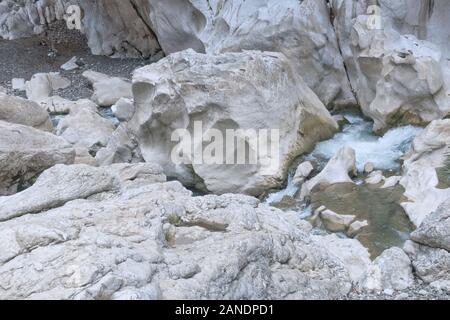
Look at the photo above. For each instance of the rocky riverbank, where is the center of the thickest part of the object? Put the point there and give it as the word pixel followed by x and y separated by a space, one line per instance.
pixel 355 203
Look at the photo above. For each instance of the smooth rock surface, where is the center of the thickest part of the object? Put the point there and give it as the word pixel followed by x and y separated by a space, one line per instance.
pixel 87 129
pixel 108 90
pixel 21 111
pixel 336 171
pixel 301 30
pixel 240 91
pixel 25 152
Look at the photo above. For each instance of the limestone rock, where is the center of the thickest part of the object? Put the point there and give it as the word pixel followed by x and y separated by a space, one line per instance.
pixel 390 271
pixel 86 129
pixel 25 112
pixel 122 147
pixel 54 188
pixel 113 246
pixel 112 27
pixel 430 264
pixel 301 30
pixel 428 152
pixel 391 182
pixel 350 252
pixel 356 227
pixel 336 222
pixel 123 109
pixel 58 105
pixel 388 66
pixel 25 152
pixel 234 91
pixel 108 90
pixel 376 177
pixel 18 84
pixel 42 85
pixel 369 167
pixel 424 197
pixel 303 172
pixel 71 64
pixel 435 229
pixel 336 171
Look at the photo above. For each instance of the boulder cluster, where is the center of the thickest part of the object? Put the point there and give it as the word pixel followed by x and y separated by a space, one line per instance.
pixel 92 208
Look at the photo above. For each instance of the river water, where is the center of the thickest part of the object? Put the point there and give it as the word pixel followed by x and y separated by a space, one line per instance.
pixel 389 225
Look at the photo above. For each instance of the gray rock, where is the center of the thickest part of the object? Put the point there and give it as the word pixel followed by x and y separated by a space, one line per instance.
pixel 108 90
pixel 86 129
pixel 336 222
pixel 435 229
pixel 391 271
pixel 124 109
pixel 233 91
pixel 25 152
pixel 113 244
pixel 430 264
pixel 25 112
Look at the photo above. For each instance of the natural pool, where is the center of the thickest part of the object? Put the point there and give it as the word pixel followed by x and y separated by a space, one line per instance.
pixel 389 225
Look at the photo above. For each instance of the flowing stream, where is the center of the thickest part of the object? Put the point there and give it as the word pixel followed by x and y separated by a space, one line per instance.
pixel 388 223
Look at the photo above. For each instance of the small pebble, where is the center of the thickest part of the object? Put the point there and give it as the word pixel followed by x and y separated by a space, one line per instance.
pixel 402 296
pixel 423 292
pixel 389 292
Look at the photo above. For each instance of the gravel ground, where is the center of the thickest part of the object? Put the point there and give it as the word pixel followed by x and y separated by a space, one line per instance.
pixel 419 291
pixel 24 57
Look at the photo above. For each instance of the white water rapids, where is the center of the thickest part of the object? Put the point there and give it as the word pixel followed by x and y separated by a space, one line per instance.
pixel 384 152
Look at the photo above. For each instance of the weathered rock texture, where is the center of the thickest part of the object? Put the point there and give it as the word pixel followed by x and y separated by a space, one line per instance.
pixel 25 152
pixel 112 27
pixel 25 112
pixel 233 91
pixel 429 151
pixel 398 74
pixel 301 30
pixel 139 237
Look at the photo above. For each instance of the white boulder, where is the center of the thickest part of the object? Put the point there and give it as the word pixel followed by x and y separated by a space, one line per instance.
pixel 233 91
pixel 21 111
pixel 390 271
pixel 336 171
pixel 108 90
pixel 25 152
pixel 86 128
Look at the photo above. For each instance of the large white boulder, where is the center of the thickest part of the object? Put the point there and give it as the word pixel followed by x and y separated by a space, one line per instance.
pixel 108 90
pixel 87 129
pixel 396 56
pixel 22 111
pixel 25 152
pixel 301 30
pixel 205 95
pixel 150 239
pixel 429 152
pixel 42 85
pixel 435 229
